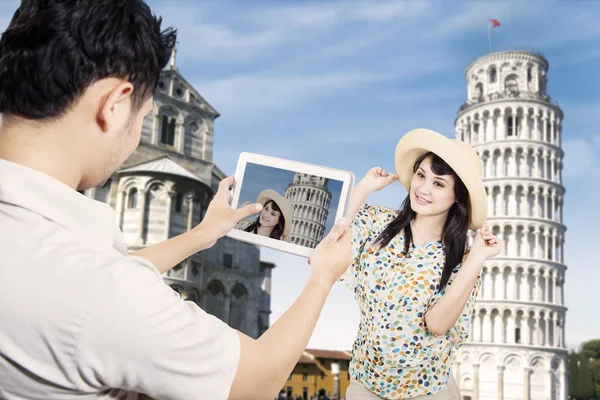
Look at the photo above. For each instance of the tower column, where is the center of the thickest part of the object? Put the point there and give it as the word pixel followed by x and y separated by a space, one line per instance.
pixel 475 381
pixel 527 388
pixel 501 382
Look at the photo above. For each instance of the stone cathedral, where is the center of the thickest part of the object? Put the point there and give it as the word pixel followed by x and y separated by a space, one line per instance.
pixel 163 189
pixel 516 349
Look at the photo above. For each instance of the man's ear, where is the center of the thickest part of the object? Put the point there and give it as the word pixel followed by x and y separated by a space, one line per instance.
pixel 115 105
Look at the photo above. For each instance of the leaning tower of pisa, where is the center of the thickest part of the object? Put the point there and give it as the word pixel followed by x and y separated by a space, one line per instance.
pixel 310 198
pixel 516 349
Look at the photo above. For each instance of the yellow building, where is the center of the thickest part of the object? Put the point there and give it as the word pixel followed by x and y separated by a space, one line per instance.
pixel 319 374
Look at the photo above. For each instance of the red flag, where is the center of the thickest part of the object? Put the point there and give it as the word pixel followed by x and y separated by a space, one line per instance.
pixel 495 23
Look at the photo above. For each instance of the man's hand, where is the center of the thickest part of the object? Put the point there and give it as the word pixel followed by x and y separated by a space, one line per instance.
pixel 220 218
pixel 332 257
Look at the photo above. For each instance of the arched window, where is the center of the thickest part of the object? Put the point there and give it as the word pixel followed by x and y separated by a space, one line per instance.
pixel 479 91
pixel 132 198
pixel 167 130
pixel 178 204
pixel 493 75
pixel 511 83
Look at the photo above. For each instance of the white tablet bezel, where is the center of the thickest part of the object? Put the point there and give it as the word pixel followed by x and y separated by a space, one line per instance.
pixel 346 177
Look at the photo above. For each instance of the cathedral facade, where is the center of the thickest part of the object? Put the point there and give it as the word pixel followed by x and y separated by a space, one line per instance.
pixel 517 345
pixel 163 190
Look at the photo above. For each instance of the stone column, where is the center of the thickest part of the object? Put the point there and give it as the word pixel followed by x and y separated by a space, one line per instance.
pixel 476 381
pixel 190 216
pixel 501 382
pixel 477 327
pixel 527 388
pixel 526 330
pixel 227 307
pixel 169 208
pixel 120 208
pixel 457 373
pixel 142 201
pixel 510 328
pixel 535 335
pixel 512 284
pixel 180 136
pixel 514 122
pixel 335 371
pixel 552 299
pixel 487 327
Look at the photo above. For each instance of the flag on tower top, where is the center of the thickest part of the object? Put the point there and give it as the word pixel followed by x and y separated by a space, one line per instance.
pixel 495 23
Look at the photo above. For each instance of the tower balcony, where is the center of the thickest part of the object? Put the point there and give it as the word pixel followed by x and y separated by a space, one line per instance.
pixel 509 94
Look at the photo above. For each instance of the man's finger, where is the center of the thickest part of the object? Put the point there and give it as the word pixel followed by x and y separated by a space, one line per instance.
pixel 225 184
pixel 338 230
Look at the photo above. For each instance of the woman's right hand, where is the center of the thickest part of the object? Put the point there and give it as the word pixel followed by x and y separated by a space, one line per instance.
pixel 377 178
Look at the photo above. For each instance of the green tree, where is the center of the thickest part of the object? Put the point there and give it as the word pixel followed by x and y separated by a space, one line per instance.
pixel 585 383
pixel 573 365
pixel 591 349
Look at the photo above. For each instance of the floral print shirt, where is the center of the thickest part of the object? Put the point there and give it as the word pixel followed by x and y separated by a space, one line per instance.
pixel 394 354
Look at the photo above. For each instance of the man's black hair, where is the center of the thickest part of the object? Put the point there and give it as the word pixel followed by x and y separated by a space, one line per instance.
pixel 53 50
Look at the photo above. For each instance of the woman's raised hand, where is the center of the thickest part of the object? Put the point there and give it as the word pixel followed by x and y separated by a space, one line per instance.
pixel 377 178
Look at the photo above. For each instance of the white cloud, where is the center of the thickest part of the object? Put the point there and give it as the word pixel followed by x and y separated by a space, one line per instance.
pixel 330 14
pixel 247 94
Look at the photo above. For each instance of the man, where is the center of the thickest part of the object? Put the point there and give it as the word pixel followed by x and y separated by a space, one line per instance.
pixel 79 317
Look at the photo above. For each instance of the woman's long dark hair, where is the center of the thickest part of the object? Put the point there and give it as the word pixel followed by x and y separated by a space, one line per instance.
pixel 454 235
pixel 277 230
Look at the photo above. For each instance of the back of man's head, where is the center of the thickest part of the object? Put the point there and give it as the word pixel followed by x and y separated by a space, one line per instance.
pixel 53 50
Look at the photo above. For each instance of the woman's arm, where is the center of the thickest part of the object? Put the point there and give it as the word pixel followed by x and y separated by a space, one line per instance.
pixel 444 314
pixel 375 179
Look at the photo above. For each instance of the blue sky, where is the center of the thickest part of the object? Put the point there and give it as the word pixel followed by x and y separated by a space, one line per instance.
pixel 260 177
pixel 337 83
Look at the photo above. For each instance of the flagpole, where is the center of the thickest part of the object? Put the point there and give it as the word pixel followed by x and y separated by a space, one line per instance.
pixel 489 35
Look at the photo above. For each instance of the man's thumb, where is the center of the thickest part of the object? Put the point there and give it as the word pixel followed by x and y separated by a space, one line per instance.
pixel 338 229
pixel 248 210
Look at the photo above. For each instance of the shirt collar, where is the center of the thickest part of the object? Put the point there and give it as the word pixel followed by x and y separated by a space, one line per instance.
pixel 42 194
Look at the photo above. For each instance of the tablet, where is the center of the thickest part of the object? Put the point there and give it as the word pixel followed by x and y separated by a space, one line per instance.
pixel 301 202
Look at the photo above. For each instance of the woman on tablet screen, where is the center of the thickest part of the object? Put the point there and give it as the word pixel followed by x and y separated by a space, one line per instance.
pixel 274 220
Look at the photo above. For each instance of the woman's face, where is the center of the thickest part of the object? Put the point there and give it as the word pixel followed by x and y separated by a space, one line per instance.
pixel 268 216
pixel 431 194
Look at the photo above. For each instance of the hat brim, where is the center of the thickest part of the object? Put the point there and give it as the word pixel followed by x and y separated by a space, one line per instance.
pixel 284 205
pixel 420 141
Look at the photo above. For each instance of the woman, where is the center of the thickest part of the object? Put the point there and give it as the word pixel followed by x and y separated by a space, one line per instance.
pixel 275 218
pixel 414 277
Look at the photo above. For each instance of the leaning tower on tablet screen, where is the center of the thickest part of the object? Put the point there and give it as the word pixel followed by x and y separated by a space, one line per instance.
pixel 310 198
pixel 516 348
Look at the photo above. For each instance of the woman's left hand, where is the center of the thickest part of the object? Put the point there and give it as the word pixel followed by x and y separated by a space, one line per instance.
pixel 486 245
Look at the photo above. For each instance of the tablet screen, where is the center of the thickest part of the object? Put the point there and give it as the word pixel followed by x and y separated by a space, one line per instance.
pixel 299 208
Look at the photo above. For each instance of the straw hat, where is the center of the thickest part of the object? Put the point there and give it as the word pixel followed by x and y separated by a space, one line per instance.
pixel 457 154
pixel 284 205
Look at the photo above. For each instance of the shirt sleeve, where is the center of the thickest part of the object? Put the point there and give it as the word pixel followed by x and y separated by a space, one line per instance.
pixel 366 226
pixel 142 337
pixel 459 332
